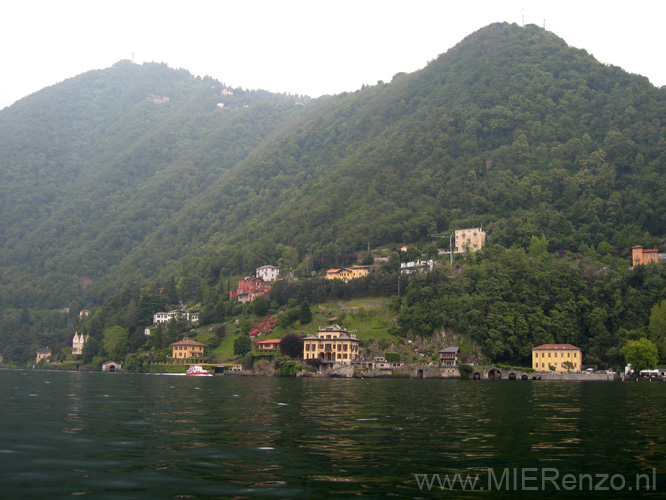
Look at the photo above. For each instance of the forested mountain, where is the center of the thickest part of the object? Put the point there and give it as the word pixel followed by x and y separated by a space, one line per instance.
pixel 511 129
pixel 94 165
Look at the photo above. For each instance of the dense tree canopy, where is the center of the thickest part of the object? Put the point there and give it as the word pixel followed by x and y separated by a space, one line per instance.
pixel 115 198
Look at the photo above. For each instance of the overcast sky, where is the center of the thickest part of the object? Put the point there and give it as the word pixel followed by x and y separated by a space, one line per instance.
pixel 312 47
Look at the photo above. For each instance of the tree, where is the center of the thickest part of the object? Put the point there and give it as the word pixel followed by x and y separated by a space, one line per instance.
pixel 242 345
pixel 115 342
pixel 658 327
pixel 244 326
pixel 642 354
pixel 305 314
pixel 90 350
pixel 292 345
pixel 261 306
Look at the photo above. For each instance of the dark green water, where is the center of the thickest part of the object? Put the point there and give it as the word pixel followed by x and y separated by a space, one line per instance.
pixel 124 436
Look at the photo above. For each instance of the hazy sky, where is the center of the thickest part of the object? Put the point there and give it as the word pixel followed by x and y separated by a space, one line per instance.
pixel 311 47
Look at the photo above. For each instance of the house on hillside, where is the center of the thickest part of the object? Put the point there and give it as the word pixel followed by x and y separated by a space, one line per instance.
pixel 42 354
pixel 158 99
pixel 331 345
pixel 187 349
pixel 84 313
pixel 249 288
pixel 347 273
pixel 269 344
pixel 419 266
pixel 165 317
pixel 78 342
pixel 472 239
pixel 562 357
pixel 640 255
pixel 268 273
pixel 449 356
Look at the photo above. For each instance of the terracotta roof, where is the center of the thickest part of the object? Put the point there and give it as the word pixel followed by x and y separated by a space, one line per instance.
pixel 270 341
pixel 556 346
pixel 189 342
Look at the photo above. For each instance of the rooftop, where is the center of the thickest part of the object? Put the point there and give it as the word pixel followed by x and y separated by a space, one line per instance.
pixel 190 342
pixel 552 347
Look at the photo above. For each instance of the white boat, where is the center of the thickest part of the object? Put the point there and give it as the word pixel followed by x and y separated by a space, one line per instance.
pixel 197 371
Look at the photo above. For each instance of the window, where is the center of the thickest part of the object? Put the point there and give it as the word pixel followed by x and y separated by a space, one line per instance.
pixel 549 355
pixel 568 355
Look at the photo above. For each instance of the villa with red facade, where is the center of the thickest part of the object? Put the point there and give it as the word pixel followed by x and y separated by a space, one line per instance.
pixel 249 288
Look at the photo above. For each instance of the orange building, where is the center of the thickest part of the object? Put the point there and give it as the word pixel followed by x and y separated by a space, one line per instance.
pixel 188 348
pixel 640 255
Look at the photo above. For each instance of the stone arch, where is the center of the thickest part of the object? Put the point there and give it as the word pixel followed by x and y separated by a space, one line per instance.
pixel 419 374
pixel 512 376
pixel 477 376
pixel 524 377
pixel 495 374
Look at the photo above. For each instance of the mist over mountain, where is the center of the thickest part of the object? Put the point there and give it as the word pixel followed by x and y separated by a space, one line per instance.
pixel 142 173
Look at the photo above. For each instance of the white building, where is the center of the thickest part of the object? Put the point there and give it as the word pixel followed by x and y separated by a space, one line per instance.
pixel 165 317
pixel 420 266
pixel 78 342
pixel 268 273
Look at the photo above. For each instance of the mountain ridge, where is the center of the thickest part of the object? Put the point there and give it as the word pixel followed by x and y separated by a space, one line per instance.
pixel 504 130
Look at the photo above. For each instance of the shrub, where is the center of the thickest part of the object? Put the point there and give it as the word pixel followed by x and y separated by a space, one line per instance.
pixel 465 371
pixel 392 357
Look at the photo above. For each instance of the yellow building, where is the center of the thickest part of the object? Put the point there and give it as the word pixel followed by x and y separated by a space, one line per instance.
pixel 347 273
pixel 187 349
pixel 473 239
pixel 331 344
pixel 562 357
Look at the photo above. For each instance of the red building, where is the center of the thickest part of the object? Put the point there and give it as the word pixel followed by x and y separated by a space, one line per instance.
pixel 249 288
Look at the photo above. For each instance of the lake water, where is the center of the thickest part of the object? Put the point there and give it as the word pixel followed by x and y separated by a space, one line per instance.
pixel 124 436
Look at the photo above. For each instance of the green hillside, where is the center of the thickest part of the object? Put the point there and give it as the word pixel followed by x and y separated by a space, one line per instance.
pixel 105 190
pixel 92 167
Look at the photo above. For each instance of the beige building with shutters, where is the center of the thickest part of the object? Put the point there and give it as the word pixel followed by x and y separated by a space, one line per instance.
pixel 332 345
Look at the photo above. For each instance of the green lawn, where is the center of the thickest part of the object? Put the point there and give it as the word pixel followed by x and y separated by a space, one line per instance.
pixel 370 318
